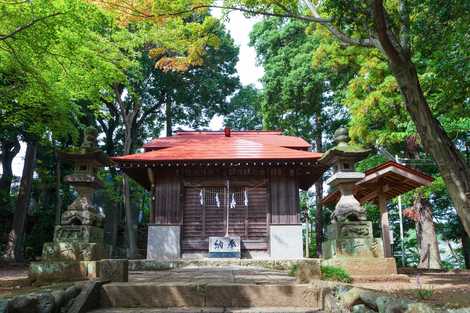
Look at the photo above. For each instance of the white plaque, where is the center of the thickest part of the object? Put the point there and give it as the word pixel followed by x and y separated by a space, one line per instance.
pixel 224 247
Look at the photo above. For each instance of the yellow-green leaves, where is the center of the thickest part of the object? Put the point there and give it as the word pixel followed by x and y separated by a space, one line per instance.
pixel 179 31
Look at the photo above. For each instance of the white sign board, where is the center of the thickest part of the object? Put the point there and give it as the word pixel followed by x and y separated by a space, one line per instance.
pixel 224 247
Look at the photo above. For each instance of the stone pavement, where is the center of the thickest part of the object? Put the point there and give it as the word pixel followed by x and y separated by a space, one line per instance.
pixel 207 310
pixel 211 275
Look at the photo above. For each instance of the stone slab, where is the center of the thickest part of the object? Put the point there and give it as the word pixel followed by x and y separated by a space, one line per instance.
pixel 364 266
pixel 114 270
pixel 151 295
pixel 159 265
pixel 72 251
pixel 211 295
pixel 210 310
pixel 163 242
pixel 80 233
pixel 286 242
pixel 57 271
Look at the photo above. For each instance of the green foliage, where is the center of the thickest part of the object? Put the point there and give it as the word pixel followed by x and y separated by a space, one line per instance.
pixel 293 269
pixel 296 97
pixel 244 109
pixel 335 273
pixel 424 293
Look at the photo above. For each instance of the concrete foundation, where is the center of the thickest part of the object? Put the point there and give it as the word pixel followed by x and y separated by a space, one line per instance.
pixel 163 242
pixel 286 242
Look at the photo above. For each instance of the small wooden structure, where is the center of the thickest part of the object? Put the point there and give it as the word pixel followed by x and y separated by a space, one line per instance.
pixel 209 184
pixel 380 184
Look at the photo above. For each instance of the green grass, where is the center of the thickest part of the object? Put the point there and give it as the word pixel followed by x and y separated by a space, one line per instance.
pixel 423 293
pixel 335 273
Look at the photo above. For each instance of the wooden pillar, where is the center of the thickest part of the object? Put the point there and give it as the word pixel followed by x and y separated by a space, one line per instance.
pixel 384 223
pixel 151 176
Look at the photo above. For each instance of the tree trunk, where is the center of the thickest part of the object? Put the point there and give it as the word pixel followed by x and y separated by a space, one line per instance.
pixel 430 257
pixel 168 119
pixel 319 196
pixel 58 205
pixel 15 245
pixel 130 220
pixel 10 149
pixel 466 249
pixel 435 141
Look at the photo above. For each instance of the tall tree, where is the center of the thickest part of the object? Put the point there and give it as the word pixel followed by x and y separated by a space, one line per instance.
pixel 390 29
pixel 296 97
pixel 243 112
pixel 14 250
pixel 45 70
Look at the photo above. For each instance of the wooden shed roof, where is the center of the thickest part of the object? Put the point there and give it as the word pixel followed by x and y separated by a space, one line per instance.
pixel 394 178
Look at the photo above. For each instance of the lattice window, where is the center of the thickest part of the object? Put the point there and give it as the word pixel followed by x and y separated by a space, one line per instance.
pixel 238 197
pixel 215 196
pixel 212 196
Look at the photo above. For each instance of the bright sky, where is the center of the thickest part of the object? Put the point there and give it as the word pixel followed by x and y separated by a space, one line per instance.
pixel 239 28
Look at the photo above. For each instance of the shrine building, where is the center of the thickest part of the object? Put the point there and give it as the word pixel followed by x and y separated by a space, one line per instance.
pixel 224 184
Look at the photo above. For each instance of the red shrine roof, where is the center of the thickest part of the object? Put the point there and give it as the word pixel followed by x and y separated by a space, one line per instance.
pixel 219 146
pixel 274 138
pixel 394 178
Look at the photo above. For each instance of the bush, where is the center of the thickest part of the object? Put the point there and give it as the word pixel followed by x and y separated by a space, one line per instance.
pixel 335 273
pixel 293 270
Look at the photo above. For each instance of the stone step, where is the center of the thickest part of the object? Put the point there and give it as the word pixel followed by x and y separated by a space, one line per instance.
pixel 158 265
pixel 208 310
pixel 178 295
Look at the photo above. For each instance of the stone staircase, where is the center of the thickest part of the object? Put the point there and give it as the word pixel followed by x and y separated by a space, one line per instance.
pixel 208 310
pixel 149 297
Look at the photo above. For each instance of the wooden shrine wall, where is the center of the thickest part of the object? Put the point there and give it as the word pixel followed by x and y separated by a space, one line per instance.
pixel 273 199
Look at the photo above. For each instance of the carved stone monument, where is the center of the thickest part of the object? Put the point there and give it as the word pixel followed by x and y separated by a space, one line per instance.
pixel 78 241
pixel 349 239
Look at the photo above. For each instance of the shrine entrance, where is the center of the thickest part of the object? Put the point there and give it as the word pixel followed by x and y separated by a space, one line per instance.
pixel 217 211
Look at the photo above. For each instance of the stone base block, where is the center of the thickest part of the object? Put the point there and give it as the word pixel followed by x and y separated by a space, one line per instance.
pixel 163 242
pixel 353 247
pixel 286 242
pixel 63 271
pixel 73 251
pixel 78 233
pixel 308 272
pixel 349 230
pixel 114 270
pixel 364 266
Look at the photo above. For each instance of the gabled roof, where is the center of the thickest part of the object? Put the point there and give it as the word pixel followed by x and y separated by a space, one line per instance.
pixel 397 178
pixel 274 138
pixel 221 148
pixel 251 148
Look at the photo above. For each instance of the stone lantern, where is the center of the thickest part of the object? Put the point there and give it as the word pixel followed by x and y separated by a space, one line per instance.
pixel 349 234
pixel 78 241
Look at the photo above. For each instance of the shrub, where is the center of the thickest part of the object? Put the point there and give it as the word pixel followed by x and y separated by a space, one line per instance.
pixel 294 268
pixel 335 273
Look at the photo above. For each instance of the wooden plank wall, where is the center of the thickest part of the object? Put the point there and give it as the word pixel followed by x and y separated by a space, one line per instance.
pixel 167 200
pixel 284 197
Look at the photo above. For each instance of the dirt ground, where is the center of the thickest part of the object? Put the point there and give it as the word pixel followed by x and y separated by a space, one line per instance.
pixel 450 289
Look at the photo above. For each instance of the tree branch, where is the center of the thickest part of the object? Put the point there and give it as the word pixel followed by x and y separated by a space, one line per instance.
pixel 370 42
pixel 28 25
pixel 381 29
pixel 254 12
